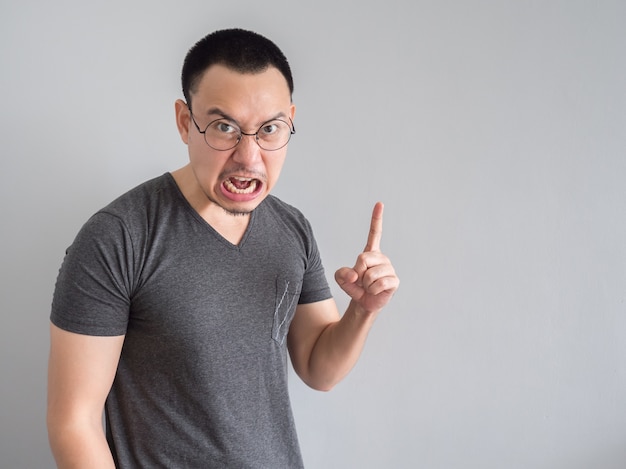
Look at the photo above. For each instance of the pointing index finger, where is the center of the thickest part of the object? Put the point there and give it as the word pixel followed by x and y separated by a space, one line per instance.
pixel 376 228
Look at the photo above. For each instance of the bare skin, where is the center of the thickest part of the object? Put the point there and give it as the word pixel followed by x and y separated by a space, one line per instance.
pixel 324 346
pixel 80 374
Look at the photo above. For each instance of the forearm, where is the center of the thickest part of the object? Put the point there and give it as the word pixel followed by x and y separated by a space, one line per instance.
pixel 338 348
pixel 325 347
pixel 77 446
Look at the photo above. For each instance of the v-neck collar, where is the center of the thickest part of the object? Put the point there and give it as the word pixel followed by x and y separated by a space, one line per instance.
pixel 207 225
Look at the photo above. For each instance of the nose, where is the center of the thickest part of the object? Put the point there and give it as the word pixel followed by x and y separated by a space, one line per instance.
pixel 247 150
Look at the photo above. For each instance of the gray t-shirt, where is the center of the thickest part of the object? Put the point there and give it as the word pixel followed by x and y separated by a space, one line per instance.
pixel 202 378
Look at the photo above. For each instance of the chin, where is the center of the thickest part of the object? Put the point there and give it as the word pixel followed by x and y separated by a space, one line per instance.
pixel 241 208
pixel 241 203
pixel 236 212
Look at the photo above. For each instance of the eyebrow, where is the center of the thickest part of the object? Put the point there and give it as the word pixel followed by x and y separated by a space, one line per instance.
pixel 215 111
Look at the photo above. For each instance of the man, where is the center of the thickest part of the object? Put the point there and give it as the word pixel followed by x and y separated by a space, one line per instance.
pixel 177 304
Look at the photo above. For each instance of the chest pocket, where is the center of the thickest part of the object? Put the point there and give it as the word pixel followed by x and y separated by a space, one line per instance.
pixel 287 294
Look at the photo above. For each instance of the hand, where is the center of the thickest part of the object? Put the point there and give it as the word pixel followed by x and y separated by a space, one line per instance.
pixel 372 281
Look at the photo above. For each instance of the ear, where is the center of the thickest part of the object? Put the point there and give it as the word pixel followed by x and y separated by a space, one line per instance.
pixel 292 112
pixel 183 119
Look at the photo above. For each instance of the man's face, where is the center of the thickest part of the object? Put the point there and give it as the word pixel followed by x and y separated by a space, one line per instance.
pixel 240 178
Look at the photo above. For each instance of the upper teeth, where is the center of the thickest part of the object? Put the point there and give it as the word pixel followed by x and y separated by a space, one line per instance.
pixel 245 190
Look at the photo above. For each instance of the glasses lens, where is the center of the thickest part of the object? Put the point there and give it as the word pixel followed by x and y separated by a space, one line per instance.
pixel 222 134
pixel 274 135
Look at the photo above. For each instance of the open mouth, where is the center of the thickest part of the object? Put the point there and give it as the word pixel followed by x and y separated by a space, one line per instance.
pixel 239 185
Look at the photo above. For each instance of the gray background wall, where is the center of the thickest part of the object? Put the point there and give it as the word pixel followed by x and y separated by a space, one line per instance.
pixel 492 130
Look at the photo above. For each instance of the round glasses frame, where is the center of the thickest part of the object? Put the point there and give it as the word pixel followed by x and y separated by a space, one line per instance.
pixel 292 131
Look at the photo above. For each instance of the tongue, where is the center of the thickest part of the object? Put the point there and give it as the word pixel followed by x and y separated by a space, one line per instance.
pixel 239 184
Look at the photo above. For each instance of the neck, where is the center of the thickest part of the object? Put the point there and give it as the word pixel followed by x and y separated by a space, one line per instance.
pixel 231 225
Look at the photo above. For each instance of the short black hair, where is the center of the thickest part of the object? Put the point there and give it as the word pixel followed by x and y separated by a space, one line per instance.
pixel 237 49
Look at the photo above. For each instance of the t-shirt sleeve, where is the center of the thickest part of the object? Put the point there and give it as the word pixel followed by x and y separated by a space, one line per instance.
pixel 314 285
pixel 93 288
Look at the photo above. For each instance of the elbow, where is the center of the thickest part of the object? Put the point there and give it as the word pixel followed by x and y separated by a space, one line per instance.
pixel 71 435
pixel 326 388
pixel 62 434
pixel 59 438
pixel 322 377
pixel 320 384
pixel 54 426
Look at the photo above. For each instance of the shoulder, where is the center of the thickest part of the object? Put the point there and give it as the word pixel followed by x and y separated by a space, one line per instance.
pixel 142 196
pixel 144 204
pixel 133 214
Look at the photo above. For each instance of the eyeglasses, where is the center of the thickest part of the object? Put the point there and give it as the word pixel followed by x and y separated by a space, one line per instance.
pixel 223 134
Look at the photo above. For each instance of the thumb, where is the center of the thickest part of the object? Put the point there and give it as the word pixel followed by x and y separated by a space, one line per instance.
pixel 347 279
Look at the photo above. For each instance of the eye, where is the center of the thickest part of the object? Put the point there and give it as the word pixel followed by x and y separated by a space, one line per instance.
pixel 224 127
pixel 269 128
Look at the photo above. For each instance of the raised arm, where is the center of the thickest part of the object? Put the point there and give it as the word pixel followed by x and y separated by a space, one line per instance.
pixel 80 374
pixel 324 346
